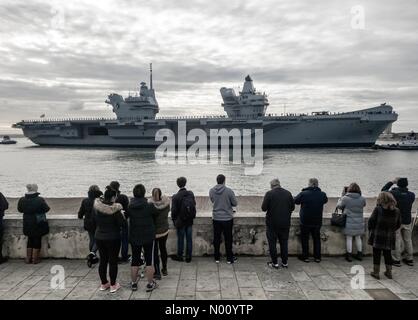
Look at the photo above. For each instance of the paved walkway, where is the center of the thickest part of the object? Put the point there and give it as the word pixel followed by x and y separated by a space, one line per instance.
pixel 249 278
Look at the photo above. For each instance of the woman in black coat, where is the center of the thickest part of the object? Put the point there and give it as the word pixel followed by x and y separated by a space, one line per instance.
pixel 86 213
pixel 35 224
pixel 383 223
pixel 109 221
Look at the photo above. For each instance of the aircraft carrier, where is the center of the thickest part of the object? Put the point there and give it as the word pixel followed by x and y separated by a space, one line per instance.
pixel 136 123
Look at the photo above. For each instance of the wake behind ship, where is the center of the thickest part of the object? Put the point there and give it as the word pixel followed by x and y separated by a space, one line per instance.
pixel 136 123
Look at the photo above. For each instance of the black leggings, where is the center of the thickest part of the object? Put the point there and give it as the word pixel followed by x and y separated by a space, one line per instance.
pixel 109 252
pixel 34 243
pixel 377 254
pixel 161 245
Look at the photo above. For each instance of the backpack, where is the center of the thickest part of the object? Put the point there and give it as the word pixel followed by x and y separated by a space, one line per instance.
pixel 187 207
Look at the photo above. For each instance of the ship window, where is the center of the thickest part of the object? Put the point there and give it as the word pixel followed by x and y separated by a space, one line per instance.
pixel 98 131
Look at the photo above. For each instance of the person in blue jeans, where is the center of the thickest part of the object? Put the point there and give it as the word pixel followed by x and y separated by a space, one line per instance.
pixel 183 212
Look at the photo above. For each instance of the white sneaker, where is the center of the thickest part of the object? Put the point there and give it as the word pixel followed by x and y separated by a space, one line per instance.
pixel 114 288
pixel 104 287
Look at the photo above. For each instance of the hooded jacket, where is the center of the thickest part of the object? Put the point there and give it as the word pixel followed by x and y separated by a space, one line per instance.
pixel 161 218
pixel 141 215
pixel 108 219
pixel 352 205
pixel 86 210
pixel 279 205
pixel 32 205
pixel 223 199
pixel 404 198
pixel 4 205
pixel 311 201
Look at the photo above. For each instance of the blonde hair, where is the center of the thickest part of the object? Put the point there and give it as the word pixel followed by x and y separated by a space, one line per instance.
pixel 386 200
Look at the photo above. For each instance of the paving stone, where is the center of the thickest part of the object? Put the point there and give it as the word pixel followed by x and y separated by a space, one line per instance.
pixel 325 282
pixel 337 295
pixel 285 295
pixel 186 287
pixel 300 276
pixel 229 288
pixel 208 295
pixel 163 294
pixel 252 294
pixel 248 279
pixel 314 269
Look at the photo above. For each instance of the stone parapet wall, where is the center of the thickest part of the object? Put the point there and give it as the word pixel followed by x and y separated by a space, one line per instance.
pixel 68 239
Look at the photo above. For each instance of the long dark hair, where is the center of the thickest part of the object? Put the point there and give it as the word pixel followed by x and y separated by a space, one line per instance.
pixel 109 194
pixel 156 194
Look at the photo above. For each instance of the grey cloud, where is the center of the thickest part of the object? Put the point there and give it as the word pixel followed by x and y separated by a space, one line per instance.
pixel 303 53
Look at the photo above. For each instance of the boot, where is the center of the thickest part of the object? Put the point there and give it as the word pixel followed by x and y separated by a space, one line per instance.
pixel 28 258
pixel 359 256
pixel 36 256
pixel 388 272
pixel 348 257
pixel 376 271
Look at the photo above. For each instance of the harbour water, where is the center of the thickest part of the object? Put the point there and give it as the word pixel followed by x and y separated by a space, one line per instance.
pixel 68 172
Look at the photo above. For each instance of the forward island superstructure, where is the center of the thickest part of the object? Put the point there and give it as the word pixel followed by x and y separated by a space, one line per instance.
pixel 136 123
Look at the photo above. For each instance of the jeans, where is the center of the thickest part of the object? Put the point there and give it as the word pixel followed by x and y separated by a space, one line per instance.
pixel 181 233
pixel 349 243
pixel 160 245
pixel 315 231
pixel 403 238
pixel 281 234
pixel 92 242
pixel 224 227
pixel 124 237
pixel 109 251
pixel 377 254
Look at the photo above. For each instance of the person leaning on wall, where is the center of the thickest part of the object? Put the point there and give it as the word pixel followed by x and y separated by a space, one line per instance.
pixel 35 224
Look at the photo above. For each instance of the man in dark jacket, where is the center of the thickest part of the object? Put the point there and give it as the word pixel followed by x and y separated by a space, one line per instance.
pixel 183 216
pixel 4 205
pixel 224 201
pixel 141 215
pixel 311 201
pixel 279 204
pixel 86 213
pixel 124 201
pixel 405 199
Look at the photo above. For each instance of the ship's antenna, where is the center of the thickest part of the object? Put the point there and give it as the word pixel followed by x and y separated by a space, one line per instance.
pixel 284 108
pixel 150 76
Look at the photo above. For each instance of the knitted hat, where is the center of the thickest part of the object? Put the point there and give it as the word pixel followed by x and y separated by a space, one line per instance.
pixel 31 188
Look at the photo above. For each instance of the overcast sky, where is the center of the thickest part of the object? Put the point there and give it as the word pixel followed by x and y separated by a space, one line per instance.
pixel 63 58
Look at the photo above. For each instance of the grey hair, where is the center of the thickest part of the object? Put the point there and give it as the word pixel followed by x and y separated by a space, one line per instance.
pixel 275 183
pixel 313 182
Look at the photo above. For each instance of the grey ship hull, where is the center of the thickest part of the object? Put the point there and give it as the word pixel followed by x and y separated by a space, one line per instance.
pixel 353 129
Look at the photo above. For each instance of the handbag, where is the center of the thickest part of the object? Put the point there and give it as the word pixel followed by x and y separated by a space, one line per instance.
pixel 338 219
pixel 42 222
